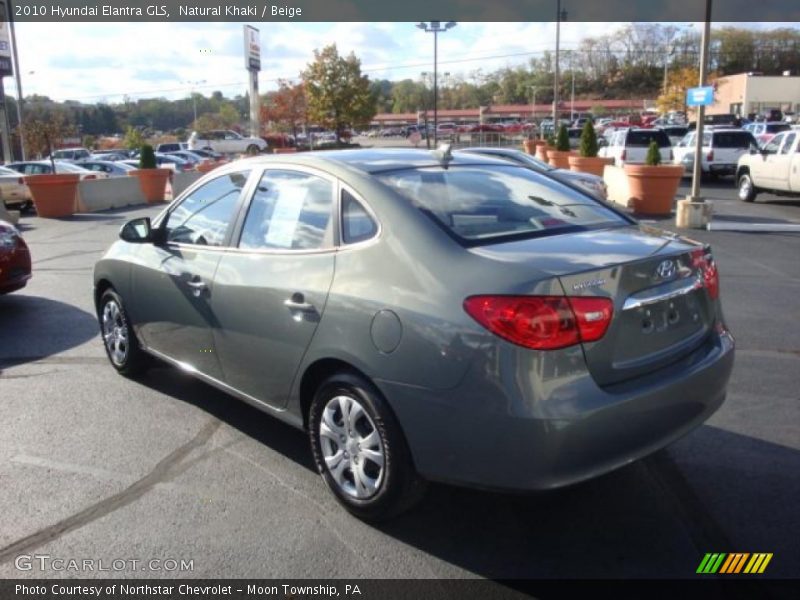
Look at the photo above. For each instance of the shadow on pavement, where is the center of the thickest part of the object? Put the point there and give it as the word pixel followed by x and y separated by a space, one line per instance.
pixel 33 328
pixel 713 491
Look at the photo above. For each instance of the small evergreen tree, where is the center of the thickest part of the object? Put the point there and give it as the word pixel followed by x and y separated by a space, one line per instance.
pixel 147 157
pixel 653 155
pixel 550 140
pixel 589 145
pixel 562 141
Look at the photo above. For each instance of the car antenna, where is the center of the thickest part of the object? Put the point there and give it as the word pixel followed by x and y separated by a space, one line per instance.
pixel 444 153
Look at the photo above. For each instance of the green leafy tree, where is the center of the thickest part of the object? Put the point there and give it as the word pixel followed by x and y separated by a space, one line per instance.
pixel 42 134
pixel 562 141
pixel 589 145
pixel 653 158
pixel 338 94
pixel 147 157
pixel 133 138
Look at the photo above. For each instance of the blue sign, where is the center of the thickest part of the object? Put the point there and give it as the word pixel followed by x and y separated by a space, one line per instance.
pixel 700 96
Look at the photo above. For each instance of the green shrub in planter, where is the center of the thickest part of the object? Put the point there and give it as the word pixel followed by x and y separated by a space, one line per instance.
pixel 562 141
pixel 147 157
pixel 653 155
pixel 551 141
pixel 589 147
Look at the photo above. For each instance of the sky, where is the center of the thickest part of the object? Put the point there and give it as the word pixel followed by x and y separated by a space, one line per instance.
pixel 105 62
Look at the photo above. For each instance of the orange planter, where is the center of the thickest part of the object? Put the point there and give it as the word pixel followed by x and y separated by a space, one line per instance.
pixel 53 195
pixel 558 158
pixel 153 183
pixel 589 164
pixel 652 189
pixel 542 150
pixel 531 146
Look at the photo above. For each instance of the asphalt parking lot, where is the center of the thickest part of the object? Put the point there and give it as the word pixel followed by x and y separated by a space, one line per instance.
pixel 96 466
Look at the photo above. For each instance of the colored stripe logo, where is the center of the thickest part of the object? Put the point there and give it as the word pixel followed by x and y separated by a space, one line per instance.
pixel 734 563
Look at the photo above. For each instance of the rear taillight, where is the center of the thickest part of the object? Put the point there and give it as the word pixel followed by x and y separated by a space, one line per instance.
pixel 623 155
pixel 542 322
pixel 703 261
pixel 710 156
pixel 20 181
pixel 90 177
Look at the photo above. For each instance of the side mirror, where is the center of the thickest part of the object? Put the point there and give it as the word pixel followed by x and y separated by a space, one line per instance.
pixel 137 231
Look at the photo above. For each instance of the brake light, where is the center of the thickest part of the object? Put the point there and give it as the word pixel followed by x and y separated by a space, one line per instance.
pixel 542 322
pixel 90 177
pixel 623 155
pixel 710 156
pixel 703 261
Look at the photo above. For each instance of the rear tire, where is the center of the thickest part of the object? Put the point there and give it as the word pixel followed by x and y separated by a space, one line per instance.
pixel 120 341
pixel 252 150
pixel 747 190
pixel 360 450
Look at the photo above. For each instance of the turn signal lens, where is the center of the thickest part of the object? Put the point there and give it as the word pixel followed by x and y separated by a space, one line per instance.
pixel 542 322
pixel 703 261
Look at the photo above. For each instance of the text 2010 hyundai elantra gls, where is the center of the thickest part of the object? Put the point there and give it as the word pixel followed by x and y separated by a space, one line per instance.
pixel 425 316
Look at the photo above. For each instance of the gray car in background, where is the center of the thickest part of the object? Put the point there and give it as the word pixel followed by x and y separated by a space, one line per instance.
pixel 424 316
pixel 588 182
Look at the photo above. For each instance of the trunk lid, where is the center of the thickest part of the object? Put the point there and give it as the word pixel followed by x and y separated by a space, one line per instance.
pixel 661 310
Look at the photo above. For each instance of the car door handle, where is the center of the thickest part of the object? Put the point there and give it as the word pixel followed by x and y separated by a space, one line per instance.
pixel 298 302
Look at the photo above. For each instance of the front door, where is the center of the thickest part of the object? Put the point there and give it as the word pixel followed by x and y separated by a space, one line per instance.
pixel 174 280
pixel 270 292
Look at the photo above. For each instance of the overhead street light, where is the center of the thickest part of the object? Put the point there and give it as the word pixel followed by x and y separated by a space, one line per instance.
pixel 435 27
pixel 191 92
pixel 561 15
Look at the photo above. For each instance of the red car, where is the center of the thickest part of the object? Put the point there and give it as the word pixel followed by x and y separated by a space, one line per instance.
pixel 15 259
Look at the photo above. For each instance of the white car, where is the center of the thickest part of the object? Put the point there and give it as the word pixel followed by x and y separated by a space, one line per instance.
pixel 226 141
pixel 774 168
pixel 13 191
pixel 630 146
pixel 722 149
pixel 41 167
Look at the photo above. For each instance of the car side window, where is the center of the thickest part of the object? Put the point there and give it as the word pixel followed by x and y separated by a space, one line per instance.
pixel 788 142
pixel 203 217
pixel 774 144
pixel 357 224
pixel 290 210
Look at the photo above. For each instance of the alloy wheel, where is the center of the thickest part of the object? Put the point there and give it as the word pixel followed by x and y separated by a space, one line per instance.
pixel 115 333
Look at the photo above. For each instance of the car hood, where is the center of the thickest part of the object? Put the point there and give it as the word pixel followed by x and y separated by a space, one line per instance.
pixel 587 177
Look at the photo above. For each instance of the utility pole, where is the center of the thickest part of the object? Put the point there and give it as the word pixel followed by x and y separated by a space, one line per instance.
pixel 560 15
pixel 435 27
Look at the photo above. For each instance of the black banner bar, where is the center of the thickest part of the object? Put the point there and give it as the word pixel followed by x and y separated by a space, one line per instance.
pixel 785 11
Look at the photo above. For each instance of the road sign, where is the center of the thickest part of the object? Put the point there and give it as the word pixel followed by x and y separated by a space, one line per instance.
pixel 700 96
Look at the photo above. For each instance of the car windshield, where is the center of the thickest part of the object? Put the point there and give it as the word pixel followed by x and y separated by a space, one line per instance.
pixel 489 204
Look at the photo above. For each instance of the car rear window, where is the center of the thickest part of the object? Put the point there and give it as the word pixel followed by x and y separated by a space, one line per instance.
pixel 488 204
pixel 644 137
pixel 777 127
pixel 733 139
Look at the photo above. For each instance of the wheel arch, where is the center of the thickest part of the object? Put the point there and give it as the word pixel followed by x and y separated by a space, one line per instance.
pixel 315 374
pixel 100 288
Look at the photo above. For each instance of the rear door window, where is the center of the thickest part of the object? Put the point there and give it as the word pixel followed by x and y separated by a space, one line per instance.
pixel 290 210
pixel 357 224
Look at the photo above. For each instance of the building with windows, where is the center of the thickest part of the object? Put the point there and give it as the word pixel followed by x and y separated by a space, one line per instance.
pixel 751 93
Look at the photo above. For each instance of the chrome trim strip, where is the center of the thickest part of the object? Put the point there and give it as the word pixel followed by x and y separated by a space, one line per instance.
pixel 279 412
pixel 633 302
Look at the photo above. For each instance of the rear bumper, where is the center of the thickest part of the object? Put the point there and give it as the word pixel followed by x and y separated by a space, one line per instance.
pixel 491 432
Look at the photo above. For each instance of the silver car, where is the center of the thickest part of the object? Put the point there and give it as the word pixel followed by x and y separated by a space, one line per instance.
pixel 424 316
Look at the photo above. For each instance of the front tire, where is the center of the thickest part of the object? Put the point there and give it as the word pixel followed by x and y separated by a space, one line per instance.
pixel 747 189
pixel 360 451
pixel 119 339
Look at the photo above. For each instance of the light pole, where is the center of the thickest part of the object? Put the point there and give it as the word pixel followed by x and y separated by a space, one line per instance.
pixel 436 27
pixel 572 97
pixel 561 15
pixel 192 84
pixel 18 80
pixel 533 104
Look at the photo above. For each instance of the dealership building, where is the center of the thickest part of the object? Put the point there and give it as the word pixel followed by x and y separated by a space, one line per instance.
pixel 748 93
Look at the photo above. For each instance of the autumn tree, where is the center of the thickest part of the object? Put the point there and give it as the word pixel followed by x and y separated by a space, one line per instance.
pixel 286 107
pixel 44 133
pixel 678 81
pixel 338 94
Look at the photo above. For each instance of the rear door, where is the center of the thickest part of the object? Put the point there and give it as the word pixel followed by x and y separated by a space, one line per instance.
pixel 270 292
pixel 765 167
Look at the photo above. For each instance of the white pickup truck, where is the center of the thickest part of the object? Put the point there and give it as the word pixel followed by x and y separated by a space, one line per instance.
pixel 774 168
